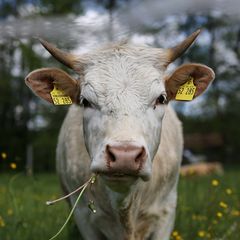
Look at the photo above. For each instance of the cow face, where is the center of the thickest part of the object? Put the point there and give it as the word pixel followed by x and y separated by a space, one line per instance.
pixel 124 99
pixel 123 90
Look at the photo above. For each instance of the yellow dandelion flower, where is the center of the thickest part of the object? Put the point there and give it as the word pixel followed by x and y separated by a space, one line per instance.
pixel 201 233
pixel 228 191
pixel 179 237
pixel 2 223
pixel 215 182
pixel 10 212
pixel 219 215
pixel 223 204
pixel 175 233
pixel 13 165
pixel 235 213
pixel 3 155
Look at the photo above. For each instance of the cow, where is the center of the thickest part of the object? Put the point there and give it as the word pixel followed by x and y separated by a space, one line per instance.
pixel 121 128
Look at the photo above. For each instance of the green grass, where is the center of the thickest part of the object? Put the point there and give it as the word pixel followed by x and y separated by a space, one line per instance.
pixel 200 215
pixel 24 215
pixel 23 209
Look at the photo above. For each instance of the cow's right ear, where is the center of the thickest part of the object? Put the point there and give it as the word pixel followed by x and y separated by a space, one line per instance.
pixel 42 82
pixel 201 74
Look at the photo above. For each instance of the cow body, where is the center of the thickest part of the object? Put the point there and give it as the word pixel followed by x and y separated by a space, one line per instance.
pixel 122 129
pixel 145 209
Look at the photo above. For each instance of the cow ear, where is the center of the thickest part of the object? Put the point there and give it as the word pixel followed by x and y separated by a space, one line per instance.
pixel 201 74
pixel 42 82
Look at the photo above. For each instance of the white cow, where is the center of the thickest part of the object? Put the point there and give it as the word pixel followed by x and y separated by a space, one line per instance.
pixel 122 128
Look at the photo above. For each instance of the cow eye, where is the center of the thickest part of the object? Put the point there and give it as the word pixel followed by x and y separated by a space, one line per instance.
pixel 162 99
pixel 85 103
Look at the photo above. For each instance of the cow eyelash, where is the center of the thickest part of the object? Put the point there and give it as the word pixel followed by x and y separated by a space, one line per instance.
pixel 162 99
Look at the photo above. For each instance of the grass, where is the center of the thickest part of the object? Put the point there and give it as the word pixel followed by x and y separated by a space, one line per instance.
pixel 24 214
pixel 200 215
pixel 209 207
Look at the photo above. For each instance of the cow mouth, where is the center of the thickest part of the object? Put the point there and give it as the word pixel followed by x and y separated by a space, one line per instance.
pixel 119 176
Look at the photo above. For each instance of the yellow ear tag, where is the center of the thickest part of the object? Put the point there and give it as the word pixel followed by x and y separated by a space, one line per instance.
pixel 186 91
pixel 59 97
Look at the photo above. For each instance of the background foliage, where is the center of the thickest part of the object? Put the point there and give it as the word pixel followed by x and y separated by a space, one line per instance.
pixel 28 124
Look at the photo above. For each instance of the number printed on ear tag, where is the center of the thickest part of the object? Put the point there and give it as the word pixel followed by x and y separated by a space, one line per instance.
pixel 186 91
pixel 59 97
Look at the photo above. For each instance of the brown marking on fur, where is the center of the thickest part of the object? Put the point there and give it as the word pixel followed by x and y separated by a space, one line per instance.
pixel 145 228
pixel 125 219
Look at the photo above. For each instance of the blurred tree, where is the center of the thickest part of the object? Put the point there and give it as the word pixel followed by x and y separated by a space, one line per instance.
pixel 46 7
pixel 219 109
pixel 25 120
pixel 10 7
pixel 60 6
pixel 15 112
pixel 21 113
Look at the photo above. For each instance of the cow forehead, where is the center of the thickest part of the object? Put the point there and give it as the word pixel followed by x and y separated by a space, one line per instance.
pixel 128 74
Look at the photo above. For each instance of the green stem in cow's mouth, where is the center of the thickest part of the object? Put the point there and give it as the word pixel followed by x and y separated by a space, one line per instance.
pixel 82 188
pixel 91 180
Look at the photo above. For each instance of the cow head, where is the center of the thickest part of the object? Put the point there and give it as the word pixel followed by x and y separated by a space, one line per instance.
pixel 123 90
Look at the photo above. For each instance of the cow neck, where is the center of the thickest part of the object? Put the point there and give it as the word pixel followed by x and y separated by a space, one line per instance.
pixel 119 205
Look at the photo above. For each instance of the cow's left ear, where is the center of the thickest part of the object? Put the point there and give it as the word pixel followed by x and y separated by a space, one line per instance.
pixel 42 82
pixel 201 74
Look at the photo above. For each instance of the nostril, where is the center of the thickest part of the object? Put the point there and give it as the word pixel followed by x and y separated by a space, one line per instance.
pixel 112 158
pixel 140 156
pixel 110 154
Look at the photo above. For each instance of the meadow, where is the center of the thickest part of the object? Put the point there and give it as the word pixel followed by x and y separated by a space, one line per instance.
pixel 208 208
